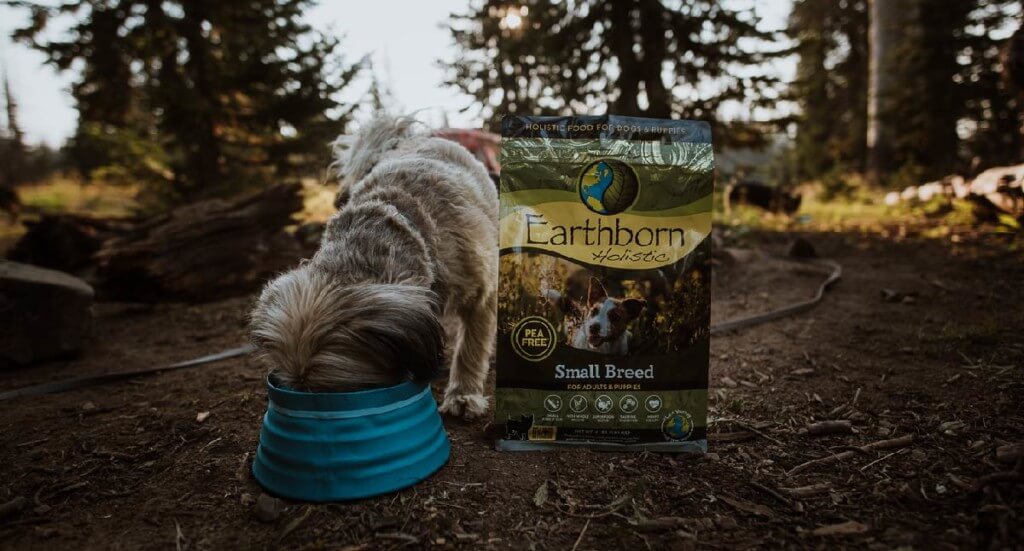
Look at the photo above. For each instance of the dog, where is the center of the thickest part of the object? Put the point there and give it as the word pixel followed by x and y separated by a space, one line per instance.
pixel 769 198
pixel 601 324
pixel 404 281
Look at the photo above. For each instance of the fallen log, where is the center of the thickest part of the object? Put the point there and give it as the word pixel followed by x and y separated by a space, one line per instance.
pixel 67 242
pixel 207 250
pixel 996 191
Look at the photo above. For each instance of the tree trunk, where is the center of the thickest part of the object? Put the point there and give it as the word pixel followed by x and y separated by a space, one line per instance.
pixel 887 24
pixel 621 41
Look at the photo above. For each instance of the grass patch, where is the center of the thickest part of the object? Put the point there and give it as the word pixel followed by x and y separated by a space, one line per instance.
pixel 64 195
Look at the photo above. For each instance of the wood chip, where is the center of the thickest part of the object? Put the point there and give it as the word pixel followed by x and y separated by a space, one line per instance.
pixel 739 436
pixel 661 524
pixel 202 416
pixel 12 506
pixel 825 428
pixel 541 495
pixel 295 523
pixel 847 528
pixel 808 491
pixel 997 478
pixel 267 509
pixel 1010 453
pixel 748 507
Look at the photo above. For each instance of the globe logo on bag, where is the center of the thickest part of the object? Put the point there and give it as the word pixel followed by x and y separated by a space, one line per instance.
pixel 677 426
pixel 608 186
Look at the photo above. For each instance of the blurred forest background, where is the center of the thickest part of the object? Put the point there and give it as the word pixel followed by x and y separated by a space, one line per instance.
pixel 892 112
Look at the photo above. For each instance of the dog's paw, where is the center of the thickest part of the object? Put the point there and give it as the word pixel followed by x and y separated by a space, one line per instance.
pixel 468 406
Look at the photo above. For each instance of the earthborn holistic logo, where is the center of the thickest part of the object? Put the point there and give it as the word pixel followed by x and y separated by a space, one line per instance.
pixel 677 426
pixel 533 338
pixel 608 186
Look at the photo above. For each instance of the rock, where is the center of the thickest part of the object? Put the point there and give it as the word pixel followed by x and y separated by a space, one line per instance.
pixel 267 509
pixel 44 314
pixel 801 248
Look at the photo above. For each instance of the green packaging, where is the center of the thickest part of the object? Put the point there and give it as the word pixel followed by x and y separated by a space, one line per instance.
pixel 604 297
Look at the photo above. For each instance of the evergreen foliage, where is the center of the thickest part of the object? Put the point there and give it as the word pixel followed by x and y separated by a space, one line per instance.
pixel 197 98
pixel 628 57
pixel 949 110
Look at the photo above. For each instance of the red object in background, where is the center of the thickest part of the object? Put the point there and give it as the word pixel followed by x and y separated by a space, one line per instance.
pixel 483 145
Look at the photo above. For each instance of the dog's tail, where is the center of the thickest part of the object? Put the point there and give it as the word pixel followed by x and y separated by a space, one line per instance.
pixel 356 155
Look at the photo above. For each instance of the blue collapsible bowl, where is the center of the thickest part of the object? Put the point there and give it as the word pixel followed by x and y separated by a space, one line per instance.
pixel 342 446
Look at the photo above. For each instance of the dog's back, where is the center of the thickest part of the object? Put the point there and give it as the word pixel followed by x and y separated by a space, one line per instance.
pixel 440 187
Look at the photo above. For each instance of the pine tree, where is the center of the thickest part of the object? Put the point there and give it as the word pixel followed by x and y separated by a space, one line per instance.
pixel 939 105
pixel 992 116
pixel 628 57
pixel 950 105
pixel 830 85
pixel 202 98
pixel 12 146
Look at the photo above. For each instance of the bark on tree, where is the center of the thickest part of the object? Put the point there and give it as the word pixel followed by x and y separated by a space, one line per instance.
pixel 887 19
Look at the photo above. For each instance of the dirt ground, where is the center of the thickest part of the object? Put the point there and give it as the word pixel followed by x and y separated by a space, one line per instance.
pixel 922 338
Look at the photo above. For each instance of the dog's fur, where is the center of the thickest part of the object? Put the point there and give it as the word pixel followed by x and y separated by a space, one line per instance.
pixel 407 265
pixel 600 325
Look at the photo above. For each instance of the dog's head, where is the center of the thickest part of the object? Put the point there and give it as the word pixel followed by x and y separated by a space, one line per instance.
pixel 603 319
pixel 320 336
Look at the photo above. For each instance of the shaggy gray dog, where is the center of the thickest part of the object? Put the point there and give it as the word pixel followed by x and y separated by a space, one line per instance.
pixel 407 264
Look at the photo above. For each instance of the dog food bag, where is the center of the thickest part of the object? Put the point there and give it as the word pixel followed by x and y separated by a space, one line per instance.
pixel 604 299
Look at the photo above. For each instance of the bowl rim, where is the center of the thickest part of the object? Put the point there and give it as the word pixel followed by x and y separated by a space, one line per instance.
pixel 296 400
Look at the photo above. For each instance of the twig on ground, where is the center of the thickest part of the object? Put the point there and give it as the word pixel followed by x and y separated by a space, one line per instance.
pixel 758 432
pixel 824 428
pixel 995 478
pixel 397 536
pixel 31 443
pixel 179 537
pixel 795 505
pixel 808 491
pixel 880 459
pixel 580 537
pixel 1010 453
pixel 890 444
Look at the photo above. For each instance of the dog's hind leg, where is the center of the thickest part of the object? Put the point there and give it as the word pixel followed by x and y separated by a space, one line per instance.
pixel 472 352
